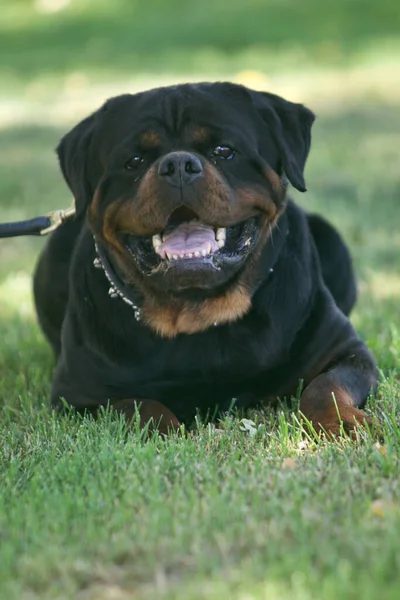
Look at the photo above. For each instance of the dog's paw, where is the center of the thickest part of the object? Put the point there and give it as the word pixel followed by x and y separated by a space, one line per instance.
pixel 152 414
pixel 346 422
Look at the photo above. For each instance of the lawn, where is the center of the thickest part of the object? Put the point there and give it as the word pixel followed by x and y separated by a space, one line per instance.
pixel 239 510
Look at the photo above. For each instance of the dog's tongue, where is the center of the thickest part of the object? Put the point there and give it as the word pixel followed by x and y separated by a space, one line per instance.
pixel 191 238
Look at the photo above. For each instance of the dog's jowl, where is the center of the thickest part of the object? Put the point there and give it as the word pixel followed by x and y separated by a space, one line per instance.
pixel 188 277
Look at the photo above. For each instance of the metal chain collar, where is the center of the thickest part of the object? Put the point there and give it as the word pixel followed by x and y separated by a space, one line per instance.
pixel 114 291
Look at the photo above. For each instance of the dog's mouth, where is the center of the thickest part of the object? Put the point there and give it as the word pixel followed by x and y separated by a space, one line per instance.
pixel 189 244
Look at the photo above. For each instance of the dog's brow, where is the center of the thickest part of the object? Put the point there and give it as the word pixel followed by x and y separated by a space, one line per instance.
pixel 199 134
pixel 150 139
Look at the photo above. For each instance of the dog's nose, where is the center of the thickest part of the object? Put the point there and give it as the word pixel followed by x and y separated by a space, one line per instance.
pixel 180 168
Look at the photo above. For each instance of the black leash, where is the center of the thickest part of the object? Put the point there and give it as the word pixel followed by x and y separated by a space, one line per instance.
pixel 39 225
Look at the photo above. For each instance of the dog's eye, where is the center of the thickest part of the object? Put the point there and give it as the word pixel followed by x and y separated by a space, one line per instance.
pixel 133 163
pixel 224 152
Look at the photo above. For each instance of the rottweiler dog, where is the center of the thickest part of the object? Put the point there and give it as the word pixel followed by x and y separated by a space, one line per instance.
pixel 188 277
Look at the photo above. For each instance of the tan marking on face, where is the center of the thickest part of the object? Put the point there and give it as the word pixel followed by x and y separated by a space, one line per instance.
pixel 199 134
pixel 93 214
pixel 141 215
pixel 254 198
pixel 94 205
pixel 273 178
pixel 115 214
pixel 150 139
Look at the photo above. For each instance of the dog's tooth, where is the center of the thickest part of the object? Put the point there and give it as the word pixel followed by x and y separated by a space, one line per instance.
pixel 204 253
pixel 197 253
pixel 156 239
pixel 190 255
pixel 168 255
pixel 175 256
pixel 221 233
pixel 221 243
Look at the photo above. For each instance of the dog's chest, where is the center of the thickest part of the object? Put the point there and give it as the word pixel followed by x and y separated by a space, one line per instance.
pixel 213 360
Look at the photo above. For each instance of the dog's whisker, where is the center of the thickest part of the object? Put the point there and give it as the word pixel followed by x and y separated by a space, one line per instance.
pixel 271 233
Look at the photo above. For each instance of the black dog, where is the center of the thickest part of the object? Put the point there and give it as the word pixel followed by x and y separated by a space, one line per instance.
pixel 211 284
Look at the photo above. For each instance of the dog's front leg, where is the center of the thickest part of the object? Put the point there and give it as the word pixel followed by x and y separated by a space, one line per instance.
pixel 152 414
pixel 333 400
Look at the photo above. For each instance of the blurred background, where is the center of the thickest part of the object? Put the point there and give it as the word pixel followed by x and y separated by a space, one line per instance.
pixel 60 59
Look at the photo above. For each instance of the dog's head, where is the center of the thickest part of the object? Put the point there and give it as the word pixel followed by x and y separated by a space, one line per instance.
pixel 182 187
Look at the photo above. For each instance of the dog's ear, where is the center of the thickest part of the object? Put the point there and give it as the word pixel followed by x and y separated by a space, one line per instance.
pixel 290 125
pixel 74 154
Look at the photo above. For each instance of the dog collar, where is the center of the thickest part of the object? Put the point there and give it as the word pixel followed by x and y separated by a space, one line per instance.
pixel 117 288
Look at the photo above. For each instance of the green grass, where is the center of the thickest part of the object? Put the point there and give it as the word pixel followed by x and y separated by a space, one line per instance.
pixel 89 511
